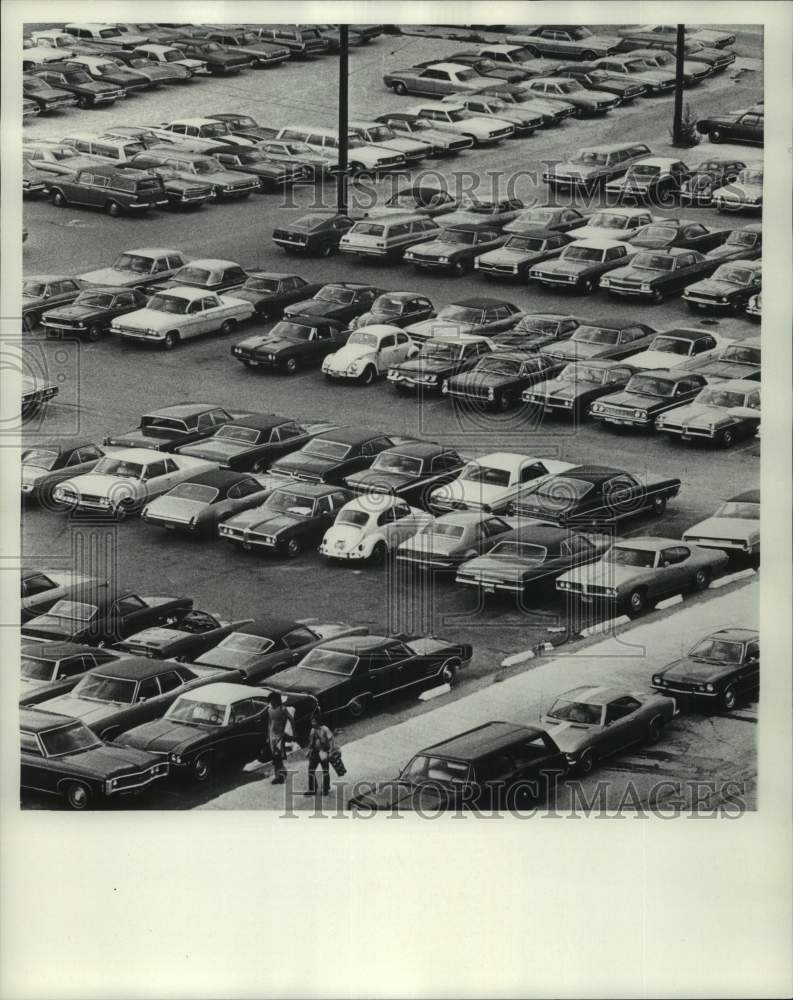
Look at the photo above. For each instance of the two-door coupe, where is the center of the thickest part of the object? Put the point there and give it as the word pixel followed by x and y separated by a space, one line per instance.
pixel 666 234
pixel 339 301
pixel 199 504
pixel 452 539
pixel 170 427
pixel 706 178
pixel 319 233
pixel 456 247
pixel 745 193
pixel 184 639
pixel 44 466
pixel 514 258
pixel 333 455
pixel 479 316
pixel 733 528
pixel 720 414
pixel 585 100
pixel 558 219
pixel 531 558
pixel 570 41
pixel 739 359
pixel 269 292
pixel 488 484
pixel 47 668
pixel 208 274
pixel 647 395
pixel 721 669
pixel 370 527
pixel 396 309
pixel 742 126
pixel 729 288
pixel 745 243
pixel 351 674
pixel 592 722
pixel 409 471
pixel 635 574
pixel 294 343
pixel 498 380
pixel 653 179
pixel 92 312
pixel 181 313
pixel 439 358
pixel 577 386
pixel 40 292
pixel 61 756
pixel 536 330
pixel 137 268
pixel 602 339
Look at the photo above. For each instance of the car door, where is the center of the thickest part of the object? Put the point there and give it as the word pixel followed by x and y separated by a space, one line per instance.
pixel 749 673
pixel 622 724
pixel 674 573
pixel 34 770
pixel 388 353
pixel 433 81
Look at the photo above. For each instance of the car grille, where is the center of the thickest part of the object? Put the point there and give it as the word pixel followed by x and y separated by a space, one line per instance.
pixel 687 430
pixel 559 401
pixel 306 477
pixel 500 268
pixel 461 144
pixel 128 781
pixel 588 589
pixel 563 113
pixel 229 531
pixel 468 391
pixel 198 192
pixel 423 258
pixel 92 500
pixel 620 284
pixel 63 324
pixel 612 410
pixel 391 161
pixel 500 133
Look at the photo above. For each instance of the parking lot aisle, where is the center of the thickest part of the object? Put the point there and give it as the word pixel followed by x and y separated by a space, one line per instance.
pixel 693 746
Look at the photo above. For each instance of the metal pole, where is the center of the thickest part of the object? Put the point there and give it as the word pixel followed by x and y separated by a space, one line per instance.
pixel 681 55
pixel 341 180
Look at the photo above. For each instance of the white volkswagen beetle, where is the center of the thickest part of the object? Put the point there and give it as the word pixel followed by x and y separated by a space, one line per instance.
pixel 371 526
pixel 369 352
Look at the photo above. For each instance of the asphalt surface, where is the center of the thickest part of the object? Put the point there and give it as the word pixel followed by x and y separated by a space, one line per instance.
pixel 105 387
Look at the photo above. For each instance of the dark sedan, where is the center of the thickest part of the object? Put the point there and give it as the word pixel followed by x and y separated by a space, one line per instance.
pixel 396 309
pixel 319 233
pixel 654 275
pixel 50 668
pixel 185 639
pixel 585 100
pixel 92 312
pixel 669 233
pixel 339 301
pixel 47 97
pixel 721 670
pixel 513 259
pixel 272 175
pixel 498 379
pixel 606 339
pixel 743 126
pixel 577 385
pixel 292 344
pixel 270 291
pixel 171 426
pixel 480 316
pixel 580 265
pixel 252 443
pixel 335 454
pixel 199 504
pixel 728 289
pixel 61 756
pixel 593 78
pixel 559 219
pixel 219 60
pixel 39 590
pixel 535 331
pixel 409 471
pixel 354 673
pixel 594 496
pixel 534 556
pixel 646 396
pixel 455 248
pixel 745 243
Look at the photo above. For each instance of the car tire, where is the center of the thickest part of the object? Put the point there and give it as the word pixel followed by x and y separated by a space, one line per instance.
pixel 357 707
pixel 715 135
pixel 94 333
pixel 113 208
pixel 399 88
pixel 326 250
pixel 636 604
pixel 260 466
pixel 448 672
pixel 291 366
pixel 368 376
pixel 701 580
pixel 588 56
pixel 728 699
pixel 84 101
pixel 654 730
pixel 657 296
pixel 228 327
pixel 121 513
pixel 587 286
pixel 293 549
pixel 587 762
pixel 379 554
pixel 461 267
pixel 58 198
pixel 503 402
pixel 171 340
pixel 77 795
pixel 658 506
pixel 202 767
pixel 727 438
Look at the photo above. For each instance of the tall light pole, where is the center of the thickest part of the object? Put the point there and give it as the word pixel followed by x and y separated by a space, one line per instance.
pixel 677 131
pixel 341 178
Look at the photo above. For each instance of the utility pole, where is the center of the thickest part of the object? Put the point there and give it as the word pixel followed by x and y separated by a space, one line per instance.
pixel 677 132
pixel 341 179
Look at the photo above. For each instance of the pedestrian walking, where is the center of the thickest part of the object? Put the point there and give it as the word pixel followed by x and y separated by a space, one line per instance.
pixel 279 725
pixel 321 745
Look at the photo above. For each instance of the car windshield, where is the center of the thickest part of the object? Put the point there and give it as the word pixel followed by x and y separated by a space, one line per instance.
pixel 332 293
pixel 249 156
pixel 68 739
pixel 461 314
pixel 194 491
pixel 329 661
pixel 367 229
pixel 750 177
pixel 104 300
pixel 97 687
pixel 531 325
pixel 287 502
pixel 717 651
pixel 582 373
pixel 524 551
pixel 653 262
pixel 437 769
pixel 742 238
pixel 444 352
pixel 569 87
pixel 204 166
pixel 541 216
pixel 290 331
pixel 355 517
pixel 649 385
pixel 593 254
pixel 262 284
pixel 77 76
pixel 644 170
pixel 33 288
pixel 241 642
pixel 324 448
pixel 461 236
pixel 34 669
pixel 385 305
pixel 743 355
pixel 609 220
pixel 457 115
pixel 168 304
pixel 196 713
pixel 241 435
pixel 443 529
pixel 73 611
pixel 132 262
pixel 380 134
pixel 576 711
pixel 107 67
pixel 672 345
pixel 193 276
pixel 498 366
pixel 596 335
pixel 42 458
pixel 742 510
pixel 108 466
pixel 530 243
pixel 557 494
pixel 722 398
pixel 487 474
pixel 622 555
pixel 735 275
pixel 395 462
pixel 174 55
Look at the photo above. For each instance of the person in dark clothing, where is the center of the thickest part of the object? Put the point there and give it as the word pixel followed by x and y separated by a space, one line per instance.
pixel 279 724
pixel 320 747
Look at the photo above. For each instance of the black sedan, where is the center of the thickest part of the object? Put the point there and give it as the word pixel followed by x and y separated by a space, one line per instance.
pixel 741 126
pixel 354 673
pixel 497 380
pixel 559 219
pixel 577 385
pixel 50 668
pixel 44 466
pixel 534 556
pixel 185 639
pixel 720 671
pixel 270 291
pixel 707 177
pixel 409 471
pixel 607 339
pixel 40 590
pixel 512 260
pixel 219 724
pixel 246 127
pixel 220 60
pixel 90 315
pixel 61 756
pixel 655 274
pixel 318 233
pixel 396 309
pixel 171 426
pixel 535 331
pixel 646 396
pixel 335 454
pixel 669 233
pixel 292 344
pixel 252 443
pixel 594 496
pixel 594 78
pixel 339 301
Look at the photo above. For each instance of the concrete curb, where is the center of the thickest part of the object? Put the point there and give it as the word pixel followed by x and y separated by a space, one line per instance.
pixel 670 602
pixel 604 626
pixel 723 581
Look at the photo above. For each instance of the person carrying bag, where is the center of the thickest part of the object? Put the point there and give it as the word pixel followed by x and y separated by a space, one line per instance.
pixel 322 751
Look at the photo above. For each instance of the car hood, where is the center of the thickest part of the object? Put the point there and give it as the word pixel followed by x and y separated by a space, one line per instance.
pixel 632 400
pixel 606 574
pixel 440 248
pixel 317 307
pixel 152 319
pixel 111 760
pixel 506 569
pixel 431 544
pixel 713 286
pixel 569 350
pixel 215 450
pixel 725 527
pixel 376 481
pixel 714 369
pixel 427 327
pixel 176 507
pixel 271 345
pixel 700 413
pixel 425 366
pixel 91 712
pixel 99 484
pixel 298 679
pixel 511 255
pixel 349 353
pixel 163 736
pixel 656 359
pixel 567 266
pixel 112 276
pixel 728 251
pixel 476 379
pixel 569 736
pixel 695 671
pixel 299 462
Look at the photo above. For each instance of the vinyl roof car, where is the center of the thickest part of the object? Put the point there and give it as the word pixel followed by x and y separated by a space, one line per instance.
pixel 482 741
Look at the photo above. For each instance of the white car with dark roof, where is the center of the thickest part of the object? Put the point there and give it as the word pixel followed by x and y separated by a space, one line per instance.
pixel 491 482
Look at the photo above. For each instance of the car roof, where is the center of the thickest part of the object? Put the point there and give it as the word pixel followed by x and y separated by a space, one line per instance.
pixel 50 277
pixel 737 385
pixel 151 47
pixel 462 517
pixel 210 262
pixel 194 121
pixel 61 445
pixel 220 693
pixel 110 289
pixel 181 410
pixel 659 161
pixel 418 448
pixel 187 292
pixel 620 211
pixel 307 489
pixel 137 668
pixel 395 219
pixel 472 227
pixel 648 544
pixel 275 275
pixel 350 435
pixel 735 634
pixel 36 720
pixel 452 337
pixel 349 284
pixel 221 479
pixel 143 456
pixel 537 233
pixel 541 534
pixel 402 295
pixel 153 251
pixel 482 740
pixel 593 473
pixel 481 303
pixel 752 265
pixel 597 244
pixel 594 695
pixel 259 421
pixel 57 650
pixel 445 64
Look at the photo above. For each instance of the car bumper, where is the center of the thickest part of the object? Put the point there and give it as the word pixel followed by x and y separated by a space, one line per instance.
pixel 622 419
pixel 248 541
pixel 140 335
pixel 423 562
pixel 171 523
pixel 490 586
pixel 554 280
pixel 345 555
pixel 291 244
pixel 365 251
pixel 131 783
pixel 504 271
pixel 703 302
pixel 405 382
pixel 428 265
pixel 723 544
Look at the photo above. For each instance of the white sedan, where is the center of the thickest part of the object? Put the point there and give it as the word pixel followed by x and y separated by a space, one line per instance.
pixel 372 526
pixel 124 481
pixel 179 313
pixel 369 353
pixel 489 483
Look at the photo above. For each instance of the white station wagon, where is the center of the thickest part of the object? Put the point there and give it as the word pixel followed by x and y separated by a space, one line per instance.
pixel 489 483
pixel 371 526
pixel 180 313
pixel 123 481
pixel 369 352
